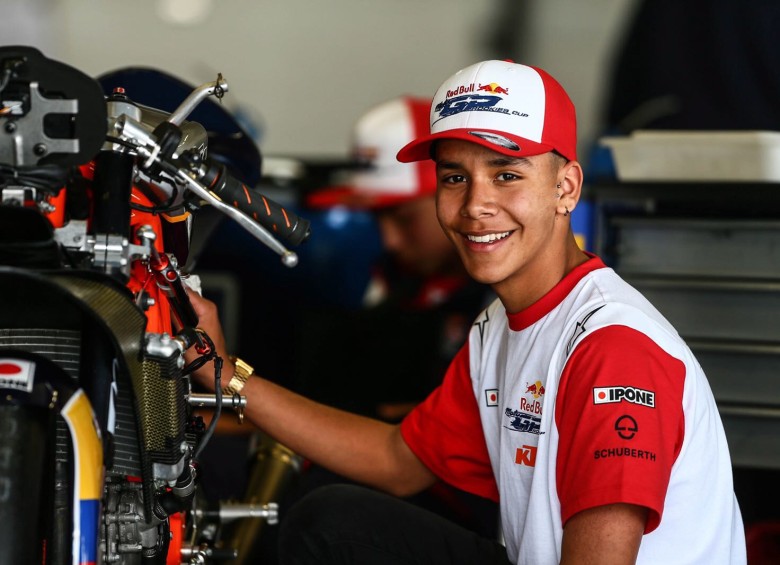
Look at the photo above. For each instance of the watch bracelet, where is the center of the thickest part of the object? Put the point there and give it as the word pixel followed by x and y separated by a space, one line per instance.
pixel 243 371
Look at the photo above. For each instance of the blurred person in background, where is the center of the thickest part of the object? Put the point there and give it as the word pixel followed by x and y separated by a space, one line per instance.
pixel 419 303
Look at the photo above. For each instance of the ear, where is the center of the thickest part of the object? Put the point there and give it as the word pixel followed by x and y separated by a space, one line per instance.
pixel 570 177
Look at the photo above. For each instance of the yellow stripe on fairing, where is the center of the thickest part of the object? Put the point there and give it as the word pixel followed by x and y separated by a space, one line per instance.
pixel 87 476
pixel 87 447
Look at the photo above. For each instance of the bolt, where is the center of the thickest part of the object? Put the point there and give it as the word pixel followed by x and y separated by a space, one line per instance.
pixel 10 127
pixel 40 149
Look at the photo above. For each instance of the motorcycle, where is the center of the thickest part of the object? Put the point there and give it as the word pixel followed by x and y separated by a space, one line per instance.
pixel 100 429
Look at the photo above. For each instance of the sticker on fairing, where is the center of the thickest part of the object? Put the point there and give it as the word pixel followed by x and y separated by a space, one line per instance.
pixel 88 469
pixel 17 374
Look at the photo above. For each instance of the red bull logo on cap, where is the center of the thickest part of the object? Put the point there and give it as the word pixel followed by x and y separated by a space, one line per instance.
pixel 462 89
pixel 493 87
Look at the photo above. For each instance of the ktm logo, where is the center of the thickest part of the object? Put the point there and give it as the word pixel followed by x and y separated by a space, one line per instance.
pixel 526 455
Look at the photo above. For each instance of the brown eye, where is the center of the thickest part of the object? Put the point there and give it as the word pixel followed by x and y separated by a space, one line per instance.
pixel 452 179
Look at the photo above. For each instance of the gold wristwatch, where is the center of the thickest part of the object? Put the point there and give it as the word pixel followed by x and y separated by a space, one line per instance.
pixel 240 376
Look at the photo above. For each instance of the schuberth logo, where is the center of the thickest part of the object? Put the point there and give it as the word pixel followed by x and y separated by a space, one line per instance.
pixel 626 427
pixel 610 394
pixel 624 452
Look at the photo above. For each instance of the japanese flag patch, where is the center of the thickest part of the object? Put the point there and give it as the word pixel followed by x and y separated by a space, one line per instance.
pixel 491 397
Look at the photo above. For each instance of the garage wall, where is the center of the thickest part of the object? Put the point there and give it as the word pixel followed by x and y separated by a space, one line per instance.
pixel 302 71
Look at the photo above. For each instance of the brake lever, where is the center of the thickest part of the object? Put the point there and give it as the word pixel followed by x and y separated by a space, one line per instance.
pixel 146 145
pixel 289 258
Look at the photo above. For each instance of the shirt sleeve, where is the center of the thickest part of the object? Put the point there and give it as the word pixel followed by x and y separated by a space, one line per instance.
pixel 445 432
pixel 621 425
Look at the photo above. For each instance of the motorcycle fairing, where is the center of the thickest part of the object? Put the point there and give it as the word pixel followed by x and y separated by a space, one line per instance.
pixel 35 390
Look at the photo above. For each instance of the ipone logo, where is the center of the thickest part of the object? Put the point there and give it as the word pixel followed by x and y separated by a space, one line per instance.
pixel 608 394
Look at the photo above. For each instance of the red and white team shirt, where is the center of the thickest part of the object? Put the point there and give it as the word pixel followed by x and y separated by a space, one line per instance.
pixel 588 397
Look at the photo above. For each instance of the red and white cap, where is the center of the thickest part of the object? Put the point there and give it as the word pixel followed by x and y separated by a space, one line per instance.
pixel 514 109
pixel 384 181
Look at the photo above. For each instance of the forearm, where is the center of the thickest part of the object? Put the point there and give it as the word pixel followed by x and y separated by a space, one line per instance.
pixel 362 449
pixel 365 450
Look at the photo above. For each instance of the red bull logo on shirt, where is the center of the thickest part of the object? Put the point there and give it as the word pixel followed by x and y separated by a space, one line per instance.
pixel 536 389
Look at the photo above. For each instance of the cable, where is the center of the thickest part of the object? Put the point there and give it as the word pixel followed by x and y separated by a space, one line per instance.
pixel 167 206
pixel 50 178
pixel 197 364
pixel 5 79
pixel 217 408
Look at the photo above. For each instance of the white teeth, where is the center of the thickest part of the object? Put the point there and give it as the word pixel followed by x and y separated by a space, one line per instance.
pixel 487 238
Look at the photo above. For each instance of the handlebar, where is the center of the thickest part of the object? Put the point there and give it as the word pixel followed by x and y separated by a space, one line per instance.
pixel 256 213
pixel 272 216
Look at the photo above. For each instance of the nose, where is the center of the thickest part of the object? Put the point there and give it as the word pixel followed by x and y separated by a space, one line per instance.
pixel 478 199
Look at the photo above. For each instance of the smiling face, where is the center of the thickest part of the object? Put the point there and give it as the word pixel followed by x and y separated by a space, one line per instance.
pixel 507 217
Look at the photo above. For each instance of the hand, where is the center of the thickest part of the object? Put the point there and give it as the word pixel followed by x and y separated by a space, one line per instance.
pixel 208 316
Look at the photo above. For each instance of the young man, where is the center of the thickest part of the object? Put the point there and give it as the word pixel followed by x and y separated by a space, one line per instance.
pixel 574 402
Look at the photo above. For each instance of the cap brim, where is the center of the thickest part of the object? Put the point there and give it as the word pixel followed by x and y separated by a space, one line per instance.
pixel 420 149
pixel 354 199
